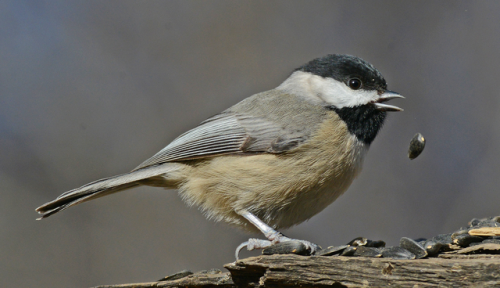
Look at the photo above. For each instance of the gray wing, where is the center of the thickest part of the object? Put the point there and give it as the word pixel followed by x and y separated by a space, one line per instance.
pixel 226 133
pixel 263 123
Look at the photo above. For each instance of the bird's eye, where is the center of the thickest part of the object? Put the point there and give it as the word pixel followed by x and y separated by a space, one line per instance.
pixel 354 83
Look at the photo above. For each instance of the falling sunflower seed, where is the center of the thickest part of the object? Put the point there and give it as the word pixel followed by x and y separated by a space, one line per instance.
pixel 417 145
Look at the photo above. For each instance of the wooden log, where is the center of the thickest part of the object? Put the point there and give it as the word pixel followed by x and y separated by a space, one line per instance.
pixel 448 270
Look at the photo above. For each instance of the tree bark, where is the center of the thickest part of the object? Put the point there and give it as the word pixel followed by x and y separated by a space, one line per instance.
pixel 447 270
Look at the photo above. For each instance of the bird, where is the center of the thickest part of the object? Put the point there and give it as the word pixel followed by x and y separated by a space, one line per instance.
pixel 273 160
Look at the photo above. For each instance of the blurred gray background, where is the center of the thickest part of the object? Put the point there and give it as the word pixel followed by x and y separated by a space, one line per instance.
pixel 90 89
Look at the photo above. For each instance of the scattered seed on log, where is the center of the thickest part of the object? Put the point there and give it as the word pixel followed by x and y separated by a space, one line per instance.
pixel 412 246
pixel 485 231
pixel 364 251
pixel 464 240
pixel 432 247
pixel 375 243
pixel 349 251
pixel 359 241
pixel 332 250
pixel 397 253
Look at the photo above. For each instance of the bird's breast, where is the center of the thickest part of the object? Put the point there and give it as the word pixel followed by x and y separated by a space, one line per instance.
pixel 281 189
pixel 324 168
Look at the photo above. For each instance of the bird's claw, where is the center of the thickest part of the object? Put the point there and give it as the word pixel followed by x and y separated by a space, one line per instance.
pixel 238 249
pixel 253 244
pixel 311 247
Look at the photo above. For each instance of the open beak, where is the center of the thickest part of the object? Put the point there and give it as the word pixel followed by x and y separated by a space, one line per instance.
pixel 386 96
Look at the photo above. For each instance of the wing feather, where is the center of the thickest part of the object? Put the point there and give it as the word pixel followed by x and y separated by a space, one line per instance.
pixel 259 124
pixel 221 134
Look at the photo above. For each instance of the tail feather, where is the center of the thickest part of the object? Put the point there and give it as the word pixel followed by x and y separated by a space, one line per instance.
pixel 102 188
pixel 61 203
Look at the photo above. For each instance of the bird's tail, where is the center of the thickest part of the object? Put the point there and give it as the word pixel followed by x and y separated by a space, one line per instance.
pixel 102 188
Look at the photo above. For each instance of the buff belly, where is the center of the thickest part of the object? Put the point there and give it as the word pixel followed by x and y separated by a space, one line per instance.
pixel 281 189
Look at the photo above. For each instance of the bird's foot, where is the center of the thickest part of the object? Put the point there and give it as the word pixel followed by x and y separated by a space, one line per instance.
pixel 279 244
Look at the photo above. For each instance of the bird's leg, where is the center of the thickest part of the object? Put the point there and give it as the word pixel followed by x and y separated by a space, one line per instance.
pixel 273 236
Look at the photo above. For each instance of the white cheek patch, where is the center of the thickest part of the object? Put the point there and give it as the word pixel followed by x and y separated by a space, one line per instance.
pixel 327 90
pixel 338 94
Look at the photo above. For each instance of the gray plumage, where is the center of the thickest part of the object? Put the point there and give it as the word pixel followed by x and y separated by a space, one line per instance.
pixel 262 123
pixel 274 159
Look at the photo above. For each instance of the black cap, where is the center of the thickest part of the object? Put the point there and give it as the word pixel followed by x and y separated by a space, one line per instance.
pixel 345 67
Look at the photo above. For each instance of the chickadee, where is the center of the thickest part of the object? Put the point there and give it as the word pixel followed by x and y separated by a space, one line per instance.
pixel 273 160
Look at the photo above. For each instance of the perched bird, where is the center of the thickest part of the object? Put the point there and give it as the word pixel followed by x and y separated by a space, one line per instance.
pixel 273 160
